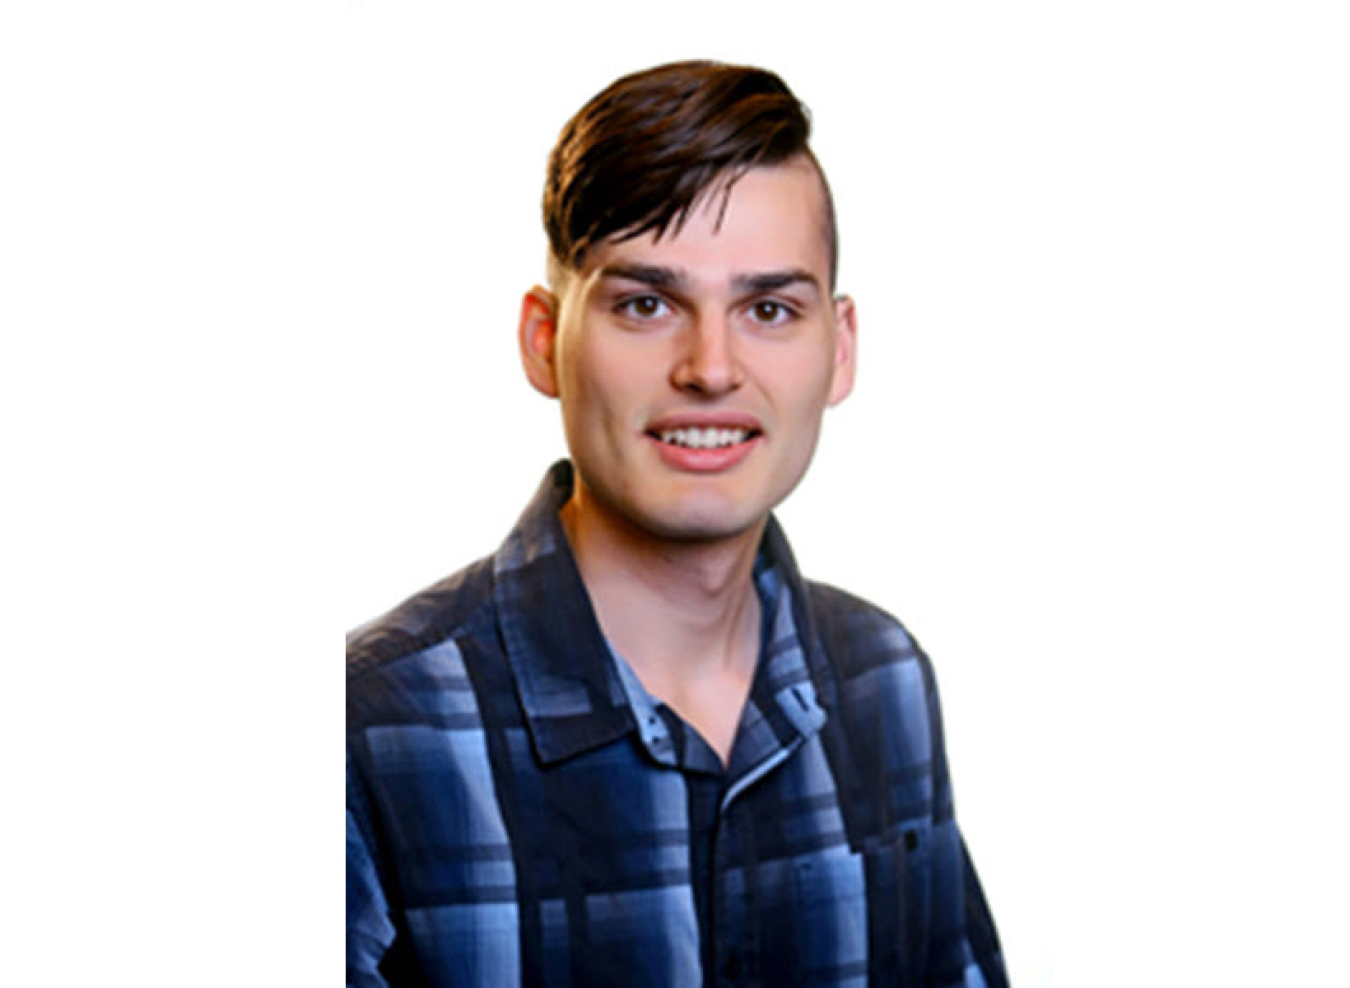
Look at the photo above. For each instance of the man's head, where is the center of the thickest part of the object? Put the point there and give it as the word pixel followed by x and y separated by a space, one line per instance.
pixel 644 150
pixel 691 334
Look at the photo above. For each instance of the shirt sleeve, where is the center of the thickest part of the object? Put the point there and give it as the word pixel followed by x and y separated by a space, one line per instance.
pixel 984 968
pixel 369 930
pixel 964 951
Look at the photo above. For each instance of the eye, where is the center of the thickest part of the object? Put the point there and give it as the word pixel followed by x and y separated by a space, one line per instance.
pixel 643 307
pixel 768 312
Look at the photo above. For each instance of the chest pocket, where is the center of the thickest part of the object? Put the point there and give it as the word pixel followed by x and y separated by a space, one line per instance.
pixel 840 914
pixel 897 867
pixel 887 813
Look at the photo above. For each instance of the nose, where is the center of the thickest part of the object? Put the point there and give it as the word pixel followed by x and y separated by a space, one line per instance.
pixel 707 363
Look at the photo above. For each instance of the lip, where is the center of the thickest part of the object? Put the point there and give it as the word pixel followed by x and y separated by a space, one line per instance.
pixel 705 420
pixel 691 460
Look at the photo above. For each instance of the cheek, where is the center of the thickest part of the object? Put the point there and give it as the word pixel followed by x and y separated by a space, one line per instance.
pixel 599 385
pixel 804 382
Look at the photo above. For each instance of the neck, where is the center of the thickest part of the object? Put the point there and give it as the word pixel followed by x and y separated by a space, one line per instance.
pixel 684 615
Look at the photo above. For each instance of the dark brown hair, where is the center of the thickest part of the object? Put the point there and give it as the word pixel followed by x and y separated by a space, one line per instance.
pixel 642 152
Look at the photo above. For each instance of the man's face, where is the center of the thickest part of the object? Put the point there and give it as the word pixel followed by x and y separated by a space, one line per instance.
pixel 693 371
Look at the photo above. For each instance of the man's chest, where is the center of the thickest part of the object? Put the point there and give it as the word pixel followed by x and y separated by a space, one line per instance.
pixel 611 869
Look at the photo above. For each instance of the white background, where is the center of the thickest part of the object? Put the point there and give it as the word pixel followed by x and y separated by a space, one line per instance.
pixel 259 273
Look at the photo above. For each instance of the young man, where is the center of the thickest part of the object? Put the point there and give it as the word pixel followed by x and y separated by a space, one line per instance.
pixel 634 747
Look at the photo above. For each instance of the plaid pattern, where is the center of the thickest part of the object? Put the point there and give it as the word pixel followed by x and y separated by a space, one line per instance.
pixel 521 811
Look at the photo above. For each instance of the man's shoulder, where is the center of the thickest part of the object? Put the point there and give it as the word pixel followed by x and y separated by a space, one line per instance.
pixel 459 606
pixel 858 635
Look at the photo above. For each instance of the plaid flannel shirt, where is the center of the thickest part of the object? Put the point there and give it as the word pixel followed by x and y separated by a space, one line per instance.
pixel 520 811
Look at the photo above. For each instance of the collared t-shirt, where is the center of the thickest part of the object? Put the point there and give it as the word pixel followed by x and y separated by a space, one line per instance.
pixel 521 811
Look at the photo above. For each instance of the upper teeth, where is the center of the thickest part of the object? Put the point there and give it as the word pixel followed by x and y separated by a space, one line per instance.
pixel 704 438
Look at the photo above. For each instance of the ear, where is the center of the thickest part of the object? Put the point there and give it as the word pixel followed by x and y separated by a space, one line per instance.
pixel 538 336
pixel 845 349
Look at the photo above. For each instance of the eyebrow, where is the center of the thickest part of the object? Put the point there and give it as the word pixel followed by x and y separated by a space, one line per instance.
pixel 771 281
pixel 652 275
pixel 672 279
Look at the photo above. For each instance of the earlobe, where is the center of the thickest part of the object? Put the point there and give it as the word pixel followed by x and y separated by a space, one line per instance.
pixel 845 349
pixel 538 336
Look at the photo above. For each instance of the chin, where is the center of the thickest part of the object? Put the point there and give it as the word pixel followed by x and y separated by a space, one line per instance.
pixel 702 523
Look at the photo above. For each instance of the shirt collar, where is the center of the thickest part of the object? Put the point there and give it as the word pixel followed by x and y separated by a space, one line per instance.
pixel 552 638
pixel 564 674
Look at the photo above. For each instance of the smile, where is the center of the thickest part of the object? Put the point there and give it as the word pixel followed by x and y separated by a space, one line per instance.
pixel 703 438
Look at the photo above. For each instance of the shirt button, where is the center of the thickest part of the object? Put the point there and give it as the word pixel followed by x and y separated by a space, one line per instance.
pixel 731 966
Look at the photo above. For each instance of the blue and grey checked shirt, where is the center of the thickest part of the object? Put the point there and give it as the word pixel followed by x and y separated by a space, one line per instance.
pixel 520 811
